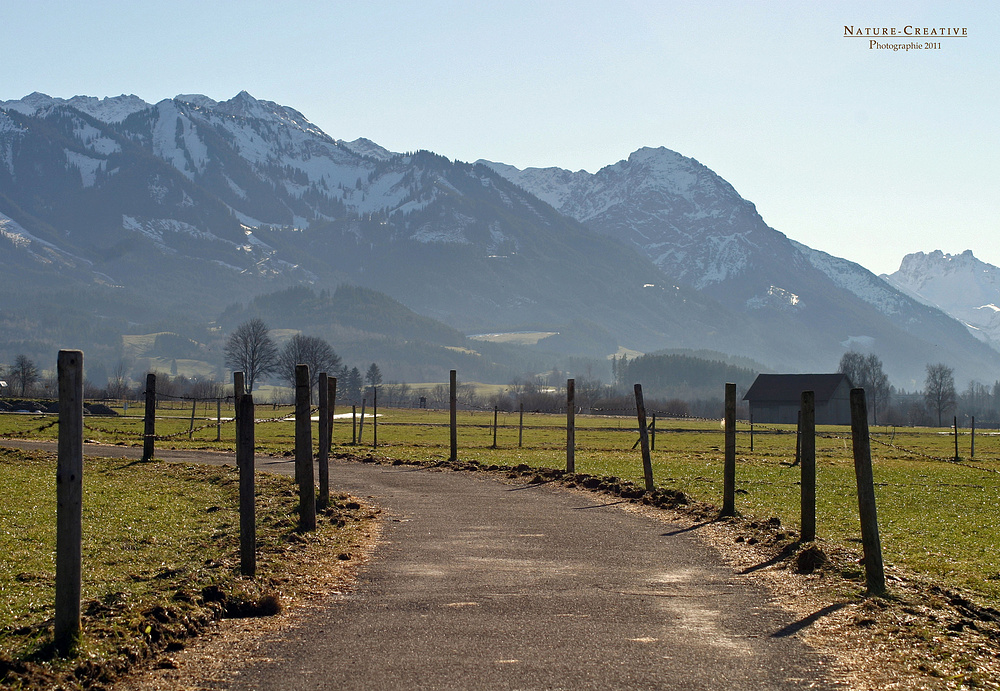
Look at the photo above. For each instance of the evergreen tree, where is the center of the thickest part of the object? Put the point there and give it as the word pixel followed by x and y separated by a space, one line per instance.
pixel 352 387
pixel 373 376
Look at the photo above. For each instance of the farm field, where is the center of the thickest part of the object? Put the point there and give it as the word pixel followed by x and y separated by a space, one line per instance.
pixel 938 518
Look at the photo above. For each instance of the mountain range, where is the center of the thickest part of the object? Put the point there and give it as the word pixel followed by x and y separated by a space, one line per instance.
pixel 138 213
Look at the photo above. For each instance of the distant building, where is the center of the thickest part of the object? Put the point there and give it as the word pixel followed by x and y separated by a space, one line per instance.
pixel 776 398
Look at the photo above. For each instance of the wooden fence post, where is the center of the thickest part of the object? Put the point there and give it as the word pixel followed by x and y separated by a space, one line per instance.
pixel 239 390
pixel 496 414
pixel 69 500
pixel 652 432
pixel 647 463
pixel 245 463
pixel 729 464
pixel 870 540
pixel 361 422
pixel 218 419
pixel 149 423
pixel 453 408
pixel 807 446
pixel 374 417
pixel 955 427
pixel 972 441
pixel 354 424
pixel 520 426
pixel 324 443
pixel 194 408
pixel 570 425
pixel 303 450
pixel 798 437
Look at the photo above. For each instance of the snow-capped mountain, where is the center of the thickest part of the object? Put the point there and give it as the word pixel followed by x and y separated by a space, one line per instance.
pixel 240 195
pixel 195 203
pixel 689 221
pixel 961 285
pixel 698 230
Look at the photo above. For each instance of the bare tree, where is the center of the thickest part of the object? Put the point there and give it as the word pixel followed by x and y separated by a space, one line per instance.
pixel 939 390
pixel 307 350
pixel 118 382
pixel 251 350
pixel 865 371
pixel 23 374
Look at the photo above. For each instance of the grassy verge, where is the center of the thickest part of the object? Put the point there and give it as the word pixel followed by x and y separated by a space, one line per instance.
pixel 161 560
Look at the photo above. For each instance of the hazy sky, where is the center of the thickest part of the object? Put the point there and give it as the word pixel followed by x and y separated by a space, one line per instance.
pixel 864 153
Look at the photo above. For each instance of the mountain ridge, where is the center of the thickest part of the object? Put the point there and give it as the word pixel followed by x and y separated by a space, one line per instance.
pixel 248 196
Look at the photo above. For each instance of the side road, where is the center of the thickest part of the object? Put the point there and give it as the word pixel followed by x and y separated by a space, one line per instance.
pixel 478 584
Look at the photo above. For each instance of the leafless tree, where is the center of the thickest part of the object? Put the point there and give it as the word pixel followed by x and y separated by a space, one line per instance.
pixel 118 382
pixel 939 390
pixel 865 372
pixel 307 350
pixel 251 351
pixel 23 374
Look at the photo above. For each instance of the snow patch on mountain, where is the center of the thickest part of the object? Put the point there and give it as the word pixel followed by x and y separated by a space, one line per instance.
pixel 40 250
pixel 87 166
pixel 857 279
pixel 367 148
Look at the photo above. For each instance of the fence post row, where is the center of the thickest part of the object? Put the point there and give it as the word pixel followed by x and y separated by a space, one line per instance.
pixel 647 463
pixel 69 500
pixel 729 465
pixel 303 450
pixel 870 541
pixel 245 463
pixel 149 422
pixel 807 447
pixel 570 425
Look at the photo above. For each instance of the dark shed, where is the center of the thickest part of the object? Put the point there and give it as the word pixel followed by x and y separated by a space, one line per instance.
pixel 775 398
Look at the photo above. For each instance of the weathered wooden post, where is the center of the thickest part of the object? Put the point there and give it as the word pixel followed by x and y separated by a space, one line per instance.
pixel 453 408
pixel 496 414
pixel 149 423
pixel 570 425
pixel 69 500
pixel 647 462
pixel 218 419
pixel 870 541
pixel 374 417
pixel 729 463
pixel 354 424
pixel 807 446
pixel 245 463
pixel 361 422
pixel 972 441
pixel 955 427
pixel 798 438
pixel 303 450
pixel 239 390
pixel 751 432
pixel 323 458
pixel 194 408
pixel 520 426
pixel 652 432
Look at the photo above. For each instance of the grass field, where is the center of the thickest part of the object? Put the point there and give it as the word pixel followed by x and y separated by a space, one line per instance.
pixel 161 558
pixel 937 517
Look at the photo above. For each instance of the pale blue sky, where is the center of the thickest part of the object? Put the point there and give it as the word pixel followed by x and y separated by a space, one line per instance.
pixel 866 154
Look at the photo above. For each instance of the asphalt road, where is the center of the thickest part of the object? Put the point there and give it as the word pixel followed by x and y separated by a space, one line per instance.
pixel 479 584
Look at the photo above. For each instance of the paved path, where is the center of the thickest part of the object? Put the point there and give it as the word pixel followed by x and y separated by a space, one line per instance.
pixel 480 584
